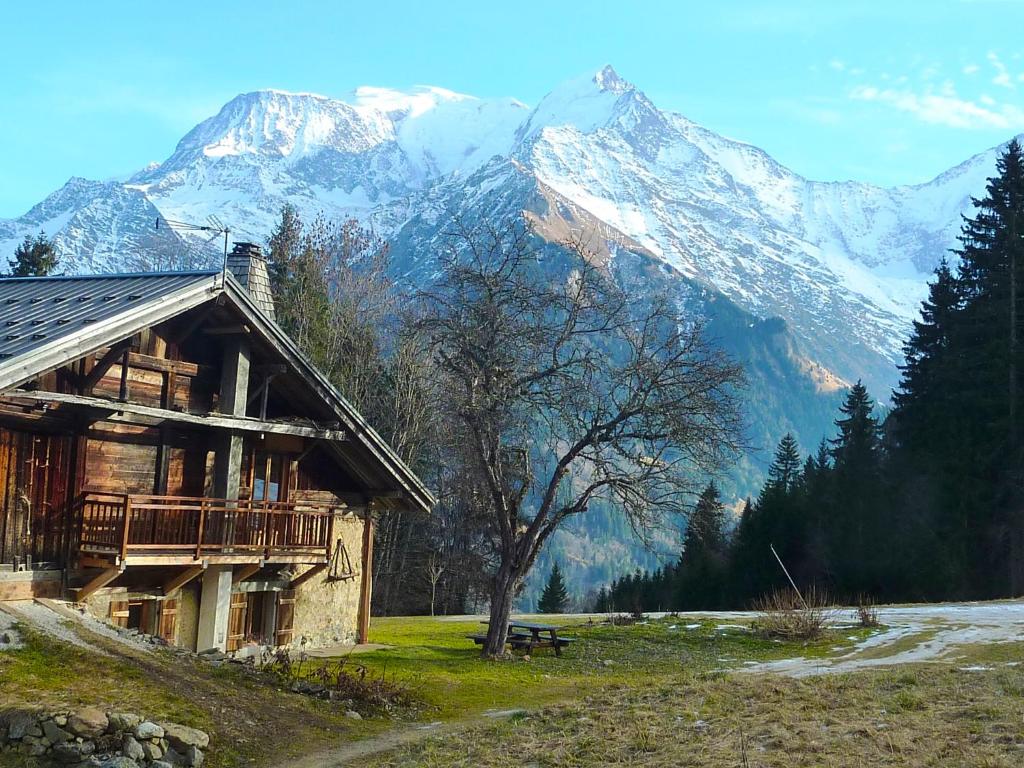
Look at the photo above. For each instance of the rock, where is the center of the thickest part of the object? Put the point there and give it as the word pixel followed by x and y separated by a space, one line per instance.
pixel 60 720
pixel 119 761
pixel 123 721
pixel 88 722
pixel 608 663
pixel 22 724
pixel 194 756
pixel 55 733
pixel 152 751
pixel 148 730
pixel 174 757
pixel 108 743
pixel 351 714
pixel 72 751
pixel 131 748
pixel 160 764
pixel 181 737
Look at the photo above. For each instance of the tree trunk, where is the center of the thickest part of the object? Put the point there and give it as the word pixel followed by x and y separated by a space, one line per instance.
pixel 502 595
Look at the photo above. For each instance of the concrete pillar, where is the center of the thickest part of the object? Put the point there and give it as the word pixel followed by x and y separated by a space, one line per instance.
pixel 214 607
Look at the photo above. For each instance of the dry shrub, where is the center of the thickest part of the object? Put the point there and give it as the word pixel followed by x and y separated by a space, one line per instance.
pixel 338 680
pixel 867 613
pixel 784 615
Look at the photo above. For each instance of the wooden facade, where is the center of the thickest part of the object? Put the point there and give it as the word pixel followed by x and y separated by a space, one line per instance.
pixel 196 442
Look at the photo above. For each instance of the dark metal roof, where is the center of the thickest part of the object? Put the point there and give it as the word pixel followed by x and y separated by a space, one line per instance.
pixel 46 320
pixel 38 311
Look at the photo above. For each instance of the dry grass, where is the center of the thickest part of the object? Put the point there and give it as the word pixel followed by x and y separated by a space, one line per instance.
pixel 867 613
pixel 921 716
pixel 786 615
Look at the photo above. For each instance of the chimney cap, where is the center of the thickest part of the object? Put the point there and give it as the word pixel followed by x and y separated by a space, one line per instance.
pixel 247 249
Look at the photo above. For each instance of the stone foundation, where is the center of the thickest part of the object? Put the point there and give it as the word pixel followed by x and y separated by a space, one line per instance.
pixel 92 738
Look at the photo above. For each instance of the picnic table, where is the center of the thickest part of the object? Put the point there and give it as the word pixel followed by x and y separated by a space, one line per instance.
pixel 527 635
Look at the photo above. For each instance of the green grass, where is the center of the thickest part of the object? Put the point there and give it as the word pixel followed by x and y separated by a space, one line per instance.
pixel 243 714
pixel 446 671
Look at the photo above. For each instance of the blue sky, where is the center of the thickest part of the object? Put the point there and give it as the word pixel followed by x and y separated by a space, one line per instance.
pixel 886 92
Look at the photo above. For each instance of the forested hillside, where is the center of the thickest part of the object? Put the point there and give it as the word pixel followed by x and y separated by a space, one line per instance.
pixel 925 504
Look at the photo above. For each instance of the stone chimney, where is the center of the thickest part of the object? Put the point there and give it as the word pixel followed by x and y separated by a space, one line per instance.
pixel 249 267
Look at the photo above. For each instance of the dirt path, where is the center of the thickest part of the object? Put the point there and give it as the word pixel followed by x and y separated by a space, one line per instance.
pixel 347 754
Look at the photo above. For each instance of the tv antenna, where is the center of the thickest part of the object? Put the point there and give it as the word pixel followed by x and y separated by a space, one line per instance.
pixel 215 227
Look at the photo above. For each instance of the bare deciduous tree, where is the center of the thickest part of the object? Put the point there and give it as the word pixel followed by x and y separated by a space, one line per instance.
pixel 560 391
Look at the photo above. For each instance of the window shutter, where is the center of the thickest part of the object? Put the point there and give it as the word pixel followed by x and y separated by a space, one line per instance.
pixel 119 613
pixel 168 627
pixel 236 621
pixel 285 617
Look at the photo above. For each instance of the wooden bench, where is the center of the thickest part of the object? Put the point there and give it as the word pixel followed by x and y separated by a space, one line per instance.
pixel 521 641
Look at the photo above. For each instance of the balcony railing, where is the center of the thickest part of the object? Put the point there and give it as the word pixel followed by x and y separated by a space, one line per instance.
pixel 136 524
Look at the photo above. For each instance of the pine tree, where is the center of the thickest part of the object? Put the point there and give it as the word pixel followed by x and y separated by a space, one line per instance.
pixel 702 565
pixel 927 385
pixel 34 257
pixel 857 533
pixel 784 472
pixel 982 485
pixel 554 598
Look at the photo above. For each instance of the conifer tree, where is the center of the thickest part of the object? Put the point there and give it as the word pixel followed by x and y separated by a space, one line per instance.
pixel 34 257
pixel 784 472
pixel 927 386
pixel 554 598
pixel 983 488
pixel 702 566
pixel 857 533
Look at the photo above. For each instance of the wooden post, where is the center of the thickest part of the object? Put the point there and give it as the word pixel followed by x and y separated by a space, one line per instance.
pixel 202 526
pixel 366 582
pixel 125 525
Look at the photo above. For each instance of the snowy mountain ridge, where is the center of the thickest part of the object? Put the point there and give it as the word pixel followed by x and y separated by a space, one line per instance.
pixel 833 259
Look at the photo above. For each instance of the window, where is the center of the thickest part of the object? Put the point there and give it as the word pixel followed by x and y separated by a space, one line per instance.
pixel 269 476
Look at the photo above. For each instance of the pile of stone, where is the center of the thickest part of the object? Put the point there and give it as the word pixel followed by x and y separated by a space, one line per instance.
pixel 92 738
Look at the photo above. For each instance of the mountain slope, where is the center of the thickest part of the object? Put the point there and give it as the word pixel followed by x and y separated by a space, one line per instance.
pixel 811 284
pixel 843 263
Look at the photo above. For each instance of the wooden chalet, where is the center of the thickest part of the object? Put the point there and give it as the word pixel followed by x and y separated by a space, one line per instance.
pixel 169 458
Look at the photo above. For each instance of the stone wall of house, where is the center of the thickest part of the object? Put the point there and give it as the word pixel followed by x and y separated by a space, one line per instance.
pixel 326 608
pixel 92 737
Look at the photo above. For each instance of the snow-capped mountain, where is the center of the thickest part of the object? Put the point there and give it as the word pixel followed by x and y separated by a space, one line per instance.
pixel 809 284
pixel 843 263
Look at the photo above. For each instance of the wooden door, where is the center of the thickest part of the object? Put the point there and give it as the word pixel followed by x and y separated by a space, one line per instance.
pixel 285 617
pixel 236 621
pixel 119 612
pixel 168 623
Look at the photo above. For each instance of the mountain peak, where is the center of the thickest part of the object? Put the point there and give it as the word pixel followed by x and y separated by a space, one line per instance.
pixel 607 79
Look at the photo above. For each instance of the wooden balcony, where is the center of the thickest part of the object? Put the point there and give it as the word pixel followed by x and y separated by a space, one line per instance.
pixel 136 529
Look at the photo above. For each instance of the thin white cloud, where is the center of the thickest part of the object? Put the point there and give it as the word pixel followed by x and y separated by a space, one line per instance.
pixel 1002 78
pixel 944 106
pixel 971 69
pixel 837 64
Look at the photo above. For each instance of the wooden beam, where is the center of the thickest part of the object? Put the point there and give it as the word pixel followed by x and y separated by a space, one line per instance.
pixel 159 364
pixel 245 572
pixel 242 423
pixel 91 561
pixel 366 582
pixel 183 578
pixel 226 330
pixel 98 582
pixel 301 579
pixel 103 365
